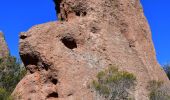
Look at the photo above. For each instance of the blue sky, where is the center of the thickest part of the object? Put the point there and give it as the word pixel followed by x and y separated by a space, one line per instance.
pixel 158 15
pixel 19 15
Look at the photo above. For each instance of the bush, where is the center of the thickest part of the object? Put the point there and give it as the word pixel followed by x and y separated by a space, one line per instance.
pixel 114 85
pixel 10 74
pixel 158 91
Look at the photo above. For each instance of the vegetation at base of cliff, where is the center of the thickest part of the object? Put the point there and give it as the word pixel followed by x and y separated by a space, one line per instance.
pixel 5 95
pixel 114 84
pixel 167 69
pixel 158 90
pixel 11 73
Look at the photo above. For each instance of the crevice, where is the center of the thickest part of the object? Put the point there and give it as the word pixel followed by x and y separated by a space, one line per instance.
pixel 60 10
pixel 53 95
pixel 57 5
pixel 70 94
pixel 69 42
pixel 132 43
pixel 45 66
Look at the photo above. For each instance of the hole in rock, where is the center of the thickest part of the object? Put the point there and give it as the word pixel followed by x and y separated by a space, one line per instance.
pixel 45 66
pixel 79 13
pixel 54 95
pixel 84 13
pixel 69 42
pixel 29 59
pixel 54 81
pixel 23 37
pixel 62 19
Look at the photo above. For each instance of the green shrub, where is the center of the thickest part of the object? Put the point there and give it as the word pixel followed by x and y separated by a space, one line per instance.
pixel 114 84
pixel 158 91
pixel 10 74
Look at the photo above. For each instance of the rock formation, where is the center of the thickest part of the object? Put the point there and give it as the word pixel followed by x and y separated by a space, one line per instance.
pixel 3 46
pixel 63 57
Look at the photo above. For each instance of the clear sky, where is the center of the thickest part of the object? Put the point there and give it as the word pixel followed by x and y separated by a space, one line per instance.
pixel 19 15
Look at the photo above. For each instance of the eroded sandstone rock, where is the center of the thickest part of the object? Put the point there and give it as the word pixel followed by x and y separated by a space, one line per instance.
pixel 63 57
pixel 3 46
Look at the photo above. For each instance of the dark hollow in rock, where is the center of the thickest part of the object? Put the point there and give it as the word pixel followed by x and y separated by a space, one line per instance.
pixel 69 42
pixel 84 13
pixel 29 59
pixel 45 65
pixel 23 37
pixel 54 81
pixel 53 95
pixel 78 13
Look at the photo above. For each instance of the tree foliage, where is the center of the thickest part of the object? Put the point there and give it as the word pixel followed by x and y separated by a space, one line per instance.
pixel 11 73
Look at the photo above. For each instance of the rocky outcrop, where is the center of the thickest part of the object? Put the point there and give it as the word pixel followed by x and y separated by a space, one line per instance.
pixel 3 46
pixel 63 57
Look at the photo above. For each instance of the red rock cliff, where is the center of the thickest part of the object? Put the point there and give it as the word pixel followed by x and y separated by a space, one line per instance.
pixel 63 57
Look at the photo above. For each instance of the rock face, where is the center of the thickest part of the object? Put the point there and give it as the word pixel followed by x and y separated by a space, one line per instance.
pixel 3 47
pixel 63 57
